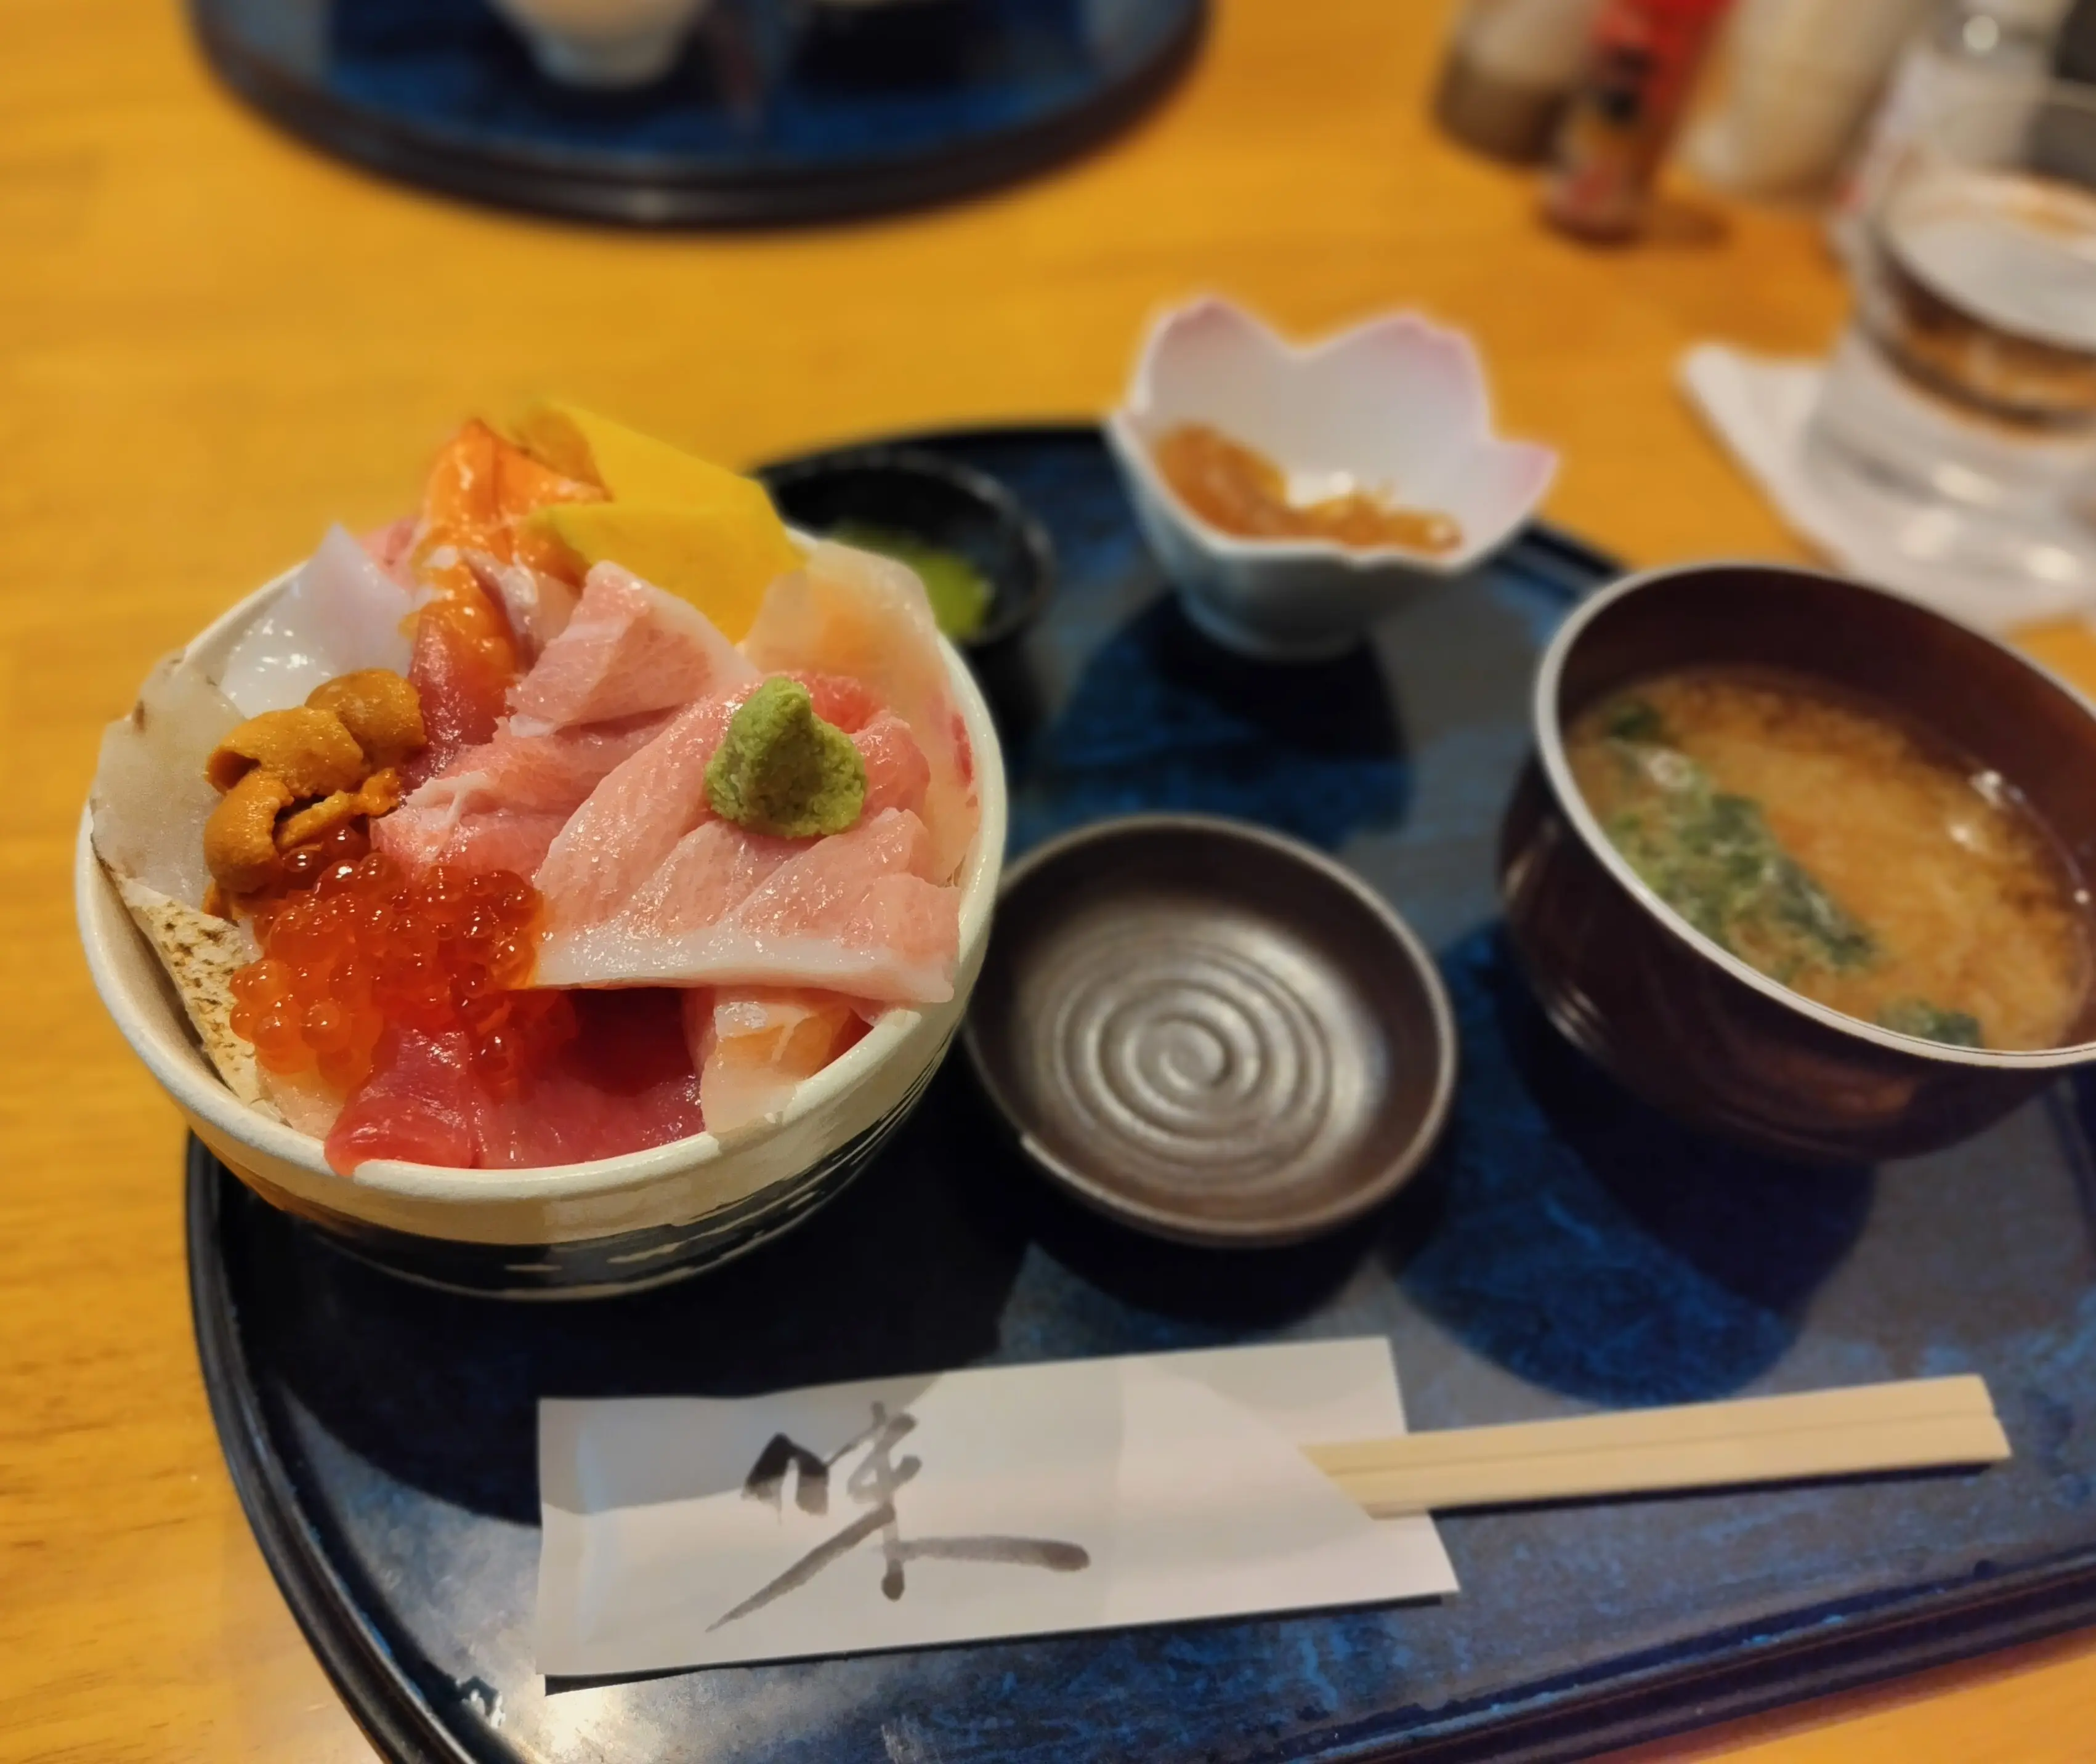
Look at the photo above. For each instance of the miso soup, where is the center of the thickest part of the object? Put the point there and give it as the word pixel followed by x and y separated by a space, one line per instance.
pixel 1842 853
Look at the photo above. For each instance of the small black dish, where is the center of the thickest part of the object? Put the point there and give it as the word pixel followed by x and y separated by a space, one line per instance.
pixel 953 507
pixel 1210 1032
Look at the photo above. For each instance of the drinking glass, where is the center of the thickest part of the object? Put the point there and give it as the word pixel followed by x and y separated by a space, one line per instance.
pixel 1959 414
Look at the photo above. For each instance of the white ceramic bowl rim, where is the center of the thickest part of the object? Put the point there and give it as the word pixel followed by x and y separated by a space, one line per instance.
pixel 1549 732
pixel 196 1088
pixel 1122 430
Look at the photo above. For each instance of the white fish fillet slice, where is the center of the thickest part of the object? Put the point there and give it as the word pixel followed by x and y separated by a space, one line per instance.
pixel 149 796
pixel 753 1048
pixel 340 613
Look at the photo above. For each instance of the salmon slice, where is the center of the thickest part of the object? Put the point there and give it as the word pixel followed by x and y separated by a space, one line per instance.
pixel 752 1047
pixel 864 618
pixel 480 490
pixel 852 914
pixel 628 649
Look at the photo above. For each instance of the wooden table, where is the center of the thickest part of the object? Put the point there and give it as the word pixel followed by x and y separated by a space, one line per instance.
pixel 213 341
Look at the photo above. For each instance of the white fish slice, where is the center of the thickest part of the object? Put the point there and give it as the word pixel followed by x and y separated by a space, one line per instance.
pixel 149 796
pixel 340 613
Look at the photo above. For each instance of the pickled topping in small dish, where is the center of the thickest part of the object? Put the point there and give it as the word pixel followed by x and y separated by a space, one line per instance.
pixel 1239 490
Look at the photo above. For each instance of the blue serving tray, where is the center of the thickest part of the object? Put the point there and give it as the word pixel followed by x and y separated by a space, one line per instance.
pixel 1566 1248
pixel 779 110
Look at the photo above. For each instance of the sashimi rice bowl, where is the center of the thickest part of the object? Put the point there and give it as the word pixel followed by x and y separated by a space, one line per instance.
pixel 560 889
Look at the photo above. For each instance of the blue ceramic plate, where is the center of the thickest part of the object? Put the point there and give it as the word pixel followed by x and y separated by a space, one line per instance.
pixel 779 110
pixel 1564 1248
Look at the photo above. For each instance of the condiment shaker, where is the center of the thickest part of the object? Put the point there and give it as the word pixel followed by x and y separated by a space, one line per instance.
pixel 1511 69
pixel 1641 61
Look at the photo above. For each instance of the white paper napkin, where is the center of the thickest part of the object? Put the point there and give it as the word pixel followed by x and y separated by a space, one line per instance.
pixel 957 1506
pixel 1758 407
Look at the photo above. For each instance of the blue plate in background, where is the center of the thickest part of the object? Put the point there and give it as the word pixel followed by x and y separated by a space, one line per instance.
pixel 780 110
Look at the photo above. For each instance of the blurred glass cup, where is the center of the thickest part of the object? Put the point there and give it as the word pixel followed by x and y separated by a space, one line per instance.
pixel 1959 410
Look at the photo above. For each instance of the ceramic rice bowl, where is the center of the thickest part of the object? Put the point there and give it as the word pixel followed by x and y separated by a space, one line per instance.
pixel 611 1225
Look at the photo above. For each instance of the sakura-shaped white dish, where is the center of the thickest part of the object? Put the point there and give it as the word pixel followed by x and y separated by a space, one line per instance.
pixel 1396 408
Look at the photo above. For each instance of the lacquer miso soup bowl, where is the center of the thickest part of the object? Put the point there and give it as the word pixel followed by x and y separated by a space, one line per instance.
pixel 1673 1014
pixel 577 1230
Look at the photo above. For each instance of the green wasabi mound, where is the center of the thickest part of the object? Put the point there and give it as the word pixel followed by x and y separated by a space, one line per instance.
pixel 781 770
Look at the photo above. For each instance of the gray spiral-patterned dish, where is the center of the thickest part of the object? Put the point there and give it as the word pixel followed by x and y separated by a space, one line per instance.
pixel 1210 1032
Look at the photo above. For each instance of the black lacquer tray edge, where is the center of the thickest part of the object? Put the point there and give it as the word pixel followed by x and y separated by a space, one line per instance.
pixel 382 1698
pixel 543 185
pixel 378 1695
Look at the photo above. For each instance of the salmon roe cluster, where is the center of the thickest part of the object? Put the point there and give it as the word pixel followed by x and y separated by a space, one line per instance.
pixel 353 944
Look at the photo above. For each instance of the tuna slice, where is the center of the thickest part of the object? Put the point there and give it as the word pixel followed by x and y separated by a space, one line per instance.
pixel 628 649
pixel 852 914
pixel 898 775
pixel 625 1083
pixel 499 806
pixel 421 1105
pixel 341 612
pixel 866 617
pixel 461 687
pixel 843 702
pixel 752 1047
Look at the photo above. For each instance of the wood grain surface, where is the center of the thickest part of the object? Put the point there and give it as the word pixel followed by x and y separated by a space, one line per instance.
pixel 213 341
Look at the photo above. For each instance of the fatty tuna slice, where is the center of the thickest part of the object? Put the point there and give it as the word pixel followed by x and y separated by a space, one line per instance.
pixel 632 820
pixel 624 833
pixel 853 913
pixel 501 806
pixel 627 649
pixel 850 613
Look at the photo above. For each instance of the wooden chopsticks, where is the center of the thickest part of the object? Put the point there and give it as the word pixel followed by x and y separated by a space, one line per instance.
pixel 1911 1424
